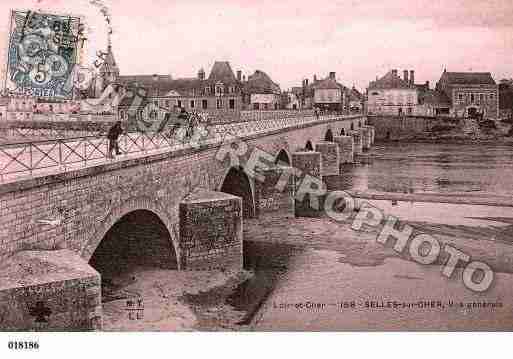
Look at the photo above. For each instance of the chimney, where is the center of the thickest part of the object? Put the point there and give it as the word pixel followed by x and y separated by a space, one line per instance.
pixel 394 72
pixel 201 74
pixel 405 76
pixel 239 75
pixel 243 78
pixel 427 85
pixel 412 77
pixel 305 82
pixel 315 78
pixel 333 75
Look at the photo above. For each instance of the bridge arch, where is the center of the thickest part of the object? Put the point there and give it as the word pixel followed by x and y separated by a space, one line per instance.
pixel 237 183
pixel 283 158
pixel 329 135
pixel 137 215
pixel 309 146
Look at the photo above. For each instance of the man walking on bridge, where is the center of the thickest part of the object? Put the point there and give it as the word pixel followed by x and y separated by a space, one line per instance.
pixel 113 136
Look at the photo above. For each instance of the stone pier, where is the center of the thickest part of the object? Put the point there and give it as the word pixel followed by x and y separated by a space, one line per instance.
pixel 275 191
pixel 346 148
pixel 211 231
pixel 366 138
pixel 357 141
pixel 308 166
pixel 330 158
pixel 373 133
pixel 49 291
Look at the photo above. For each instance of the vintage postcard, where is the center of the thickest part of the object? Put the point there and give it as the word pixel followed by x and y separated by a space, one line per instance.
pixel 256 166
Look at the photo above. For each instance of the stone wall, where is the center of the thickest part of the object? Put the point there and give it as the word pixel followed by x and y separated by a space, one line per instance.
pixel 397 127
pixel 49 291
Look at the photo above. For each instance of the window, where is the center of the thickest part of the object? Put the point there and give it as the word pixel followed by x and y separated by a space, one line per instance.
pixel 460 97
pixel 492 96
pixel 472 98
pixel 204 104
pixel 168 103
pixel 207 90
pixel 219 103
pixel 481 98
pixel 232 104
pixel 178 103
pixel 192 103
pixel 409 110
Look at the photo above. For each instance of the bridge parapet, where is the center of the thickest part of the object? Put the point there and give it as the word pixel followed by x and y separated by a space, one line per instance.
pixel 61 155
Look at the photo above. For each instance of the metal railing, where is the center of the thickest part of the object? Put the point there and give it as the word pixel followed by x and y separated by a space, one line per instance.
pixel 35 158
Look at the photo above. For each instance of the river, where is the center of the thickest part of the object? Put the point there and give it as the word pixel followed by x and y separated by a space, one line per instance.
pixel 305 274
pixel 439 168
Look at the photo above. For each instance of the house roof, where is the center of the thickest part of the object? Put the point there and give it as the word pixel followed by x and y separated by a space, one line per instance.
pixel 327 84
pixel 165 85
pixel 222 72
pixel 261 83
pixel 156 85
pixel 469 78
pixel 389 81
pixel 354 95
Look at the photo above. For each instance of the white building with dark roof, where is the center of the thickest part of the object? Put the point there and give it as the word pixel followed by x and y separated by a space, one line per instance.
pixel 326 94
pixel 261 93
pixel 393 95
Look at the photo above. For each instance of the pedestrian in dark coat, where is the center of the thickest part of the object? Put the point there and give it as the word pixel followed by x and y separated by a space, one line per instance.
pixel 113 136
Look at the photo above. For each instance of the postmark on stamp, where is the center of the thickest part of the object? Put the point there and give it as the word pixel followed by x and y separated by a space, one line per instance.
pixel 43 50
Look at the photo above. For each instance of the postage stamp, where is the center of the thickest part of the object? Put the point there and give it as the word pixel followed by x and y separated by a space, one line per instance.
pixel 43 49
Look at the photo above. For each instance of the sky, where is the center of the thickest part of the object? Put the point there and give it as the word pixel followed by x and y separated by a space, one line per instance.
pixel 292 40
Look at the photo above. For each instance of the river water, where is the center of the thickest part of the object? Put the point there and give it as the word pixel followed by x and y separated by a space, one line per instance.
pixel 439 168
pixel 304 273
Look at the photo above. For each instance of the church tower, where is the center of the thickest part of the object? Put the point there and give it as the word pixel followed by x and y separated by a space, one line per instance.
pixel 109 71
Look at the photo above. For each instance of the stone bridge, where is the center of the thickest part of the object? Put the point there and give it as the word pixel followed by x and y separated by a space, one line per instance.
pixel 180 208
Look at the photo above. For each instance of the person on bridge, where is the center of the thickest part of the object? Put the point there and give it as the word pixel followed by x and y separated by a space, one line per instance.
pixel 113 136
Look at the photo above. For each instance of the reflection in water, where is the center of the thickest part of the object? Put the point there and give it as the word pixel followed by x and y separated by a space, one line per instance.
pixel 425 167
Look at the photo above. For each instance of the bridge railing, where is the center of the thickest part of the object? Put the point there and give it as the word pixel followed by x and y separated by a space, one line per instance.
pixel 34 158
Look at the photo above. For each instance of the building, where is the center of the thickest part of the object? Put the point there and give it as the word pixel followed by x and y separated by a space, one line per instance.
pixel 325 94
pixel 261 93
pixel 433 103
pixel 393 95
pixel 220 91
pixel 290 100
pixel 356 100
pixel 506 98
pixel 470 93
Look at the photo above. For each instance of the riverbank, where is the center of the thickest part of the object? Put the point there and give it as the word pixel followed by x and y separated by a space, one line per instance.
pixel 291 260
